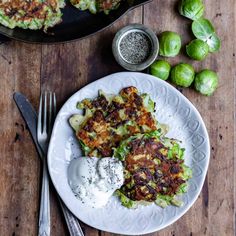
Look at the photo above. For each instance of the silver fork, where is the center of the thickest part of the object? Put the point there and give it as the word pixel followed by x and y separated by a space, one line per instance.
pixel 43 134
pixel 44 129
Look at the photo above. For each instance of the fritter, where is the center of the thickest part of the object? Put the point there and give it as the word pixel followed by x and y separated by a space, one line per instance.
pixel 30 14
pixel 96 6
pixel 154 169
pixel 110 119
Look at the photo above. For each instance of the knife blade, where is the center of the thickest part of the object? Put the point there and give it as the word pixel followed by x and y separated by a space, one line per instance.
pixel 30 117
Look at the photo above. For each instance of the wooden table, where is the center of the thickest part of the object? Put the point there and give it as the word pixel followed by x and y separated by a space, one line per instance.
pixel 65 68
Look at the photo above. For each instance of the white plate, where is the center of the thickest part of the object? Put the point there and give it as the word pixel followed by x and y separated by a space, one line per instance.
pixel 185 124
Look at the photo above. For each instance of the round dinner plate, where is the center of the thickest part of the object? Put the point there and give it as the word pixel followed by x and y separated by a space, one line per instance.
pixel 173 109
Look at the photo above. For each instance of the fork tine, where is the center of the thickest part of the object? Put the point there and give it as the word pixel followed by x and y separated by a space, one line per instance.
pixel 45 113
pixel 50 113
pixel 54 105
pixel 39 125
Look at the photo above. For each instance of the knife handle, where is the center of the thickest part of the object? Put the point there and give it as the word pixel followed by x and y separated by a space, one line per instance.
pixel 44 215
pixel 71 221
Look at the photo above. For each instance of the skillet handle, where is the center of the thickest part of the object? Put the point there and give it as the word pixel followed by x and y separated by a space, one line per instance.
pixel 4 39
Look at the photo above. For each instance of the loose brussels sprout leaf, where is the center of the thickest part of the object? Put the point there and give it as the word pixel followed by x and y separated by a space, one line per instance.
pixel 75 121
pixel 192 9
pixel 148 103
pixel 202 29
pixel 213 43
pixel 125 201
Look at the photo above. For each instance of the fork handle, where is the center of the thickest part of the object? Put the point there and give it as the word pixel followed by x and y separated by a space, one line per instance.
pixel 71 221
pixel 44 215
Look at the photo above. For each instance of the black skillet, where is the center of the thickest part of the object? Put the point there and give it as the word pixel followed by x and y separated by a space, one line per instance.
pixel 76 24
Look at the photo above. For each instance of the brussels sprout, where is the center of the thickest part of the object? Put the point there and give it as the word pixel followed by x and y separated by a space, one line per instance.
pixel 197 49
pixel 204 30
pixel 206 82
pixel 160 69
pixel 192 9
pixel 182 75
pixel 170 44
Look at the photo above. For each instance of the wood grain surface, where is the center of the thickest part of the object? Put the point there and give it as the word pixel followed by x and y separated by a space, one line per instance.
pixel 65 68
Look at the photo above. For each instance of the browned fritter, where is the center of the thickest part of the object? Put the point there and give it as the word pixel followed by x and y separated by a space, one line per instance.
pixel 32 8
pixel 114 121
pixel 149 171
pixel 32 14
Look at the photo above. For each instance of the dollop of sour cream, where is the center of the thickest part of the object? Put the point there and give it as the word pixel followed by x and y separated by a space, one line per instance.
pixel 94 180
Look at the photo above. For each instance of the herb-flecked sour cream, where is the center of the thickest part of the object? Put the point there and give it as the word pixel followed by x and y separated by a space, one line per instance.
pixel 94 180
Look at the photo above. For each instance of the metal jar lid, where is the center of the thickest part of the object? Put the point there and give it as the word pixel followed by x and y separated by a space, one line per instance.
pixel 153 42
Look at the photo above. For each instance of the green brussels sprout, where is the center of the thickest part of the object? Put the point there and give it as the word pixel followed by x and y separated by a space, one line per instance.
pixel 170 44
pixel 197 49
pixel 192 9
pixel 160 69
pixel 206 82
pixel 182 75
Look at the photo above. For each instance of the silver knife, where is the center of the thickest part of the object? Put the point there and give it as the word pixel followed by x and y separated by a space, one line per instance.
pixel 30 117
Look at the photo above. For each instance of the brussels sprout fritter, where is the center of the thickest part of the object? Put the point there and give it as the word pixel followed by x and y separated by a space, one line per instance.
pixel 154 168
pixel 111 119
pixel 96 6
pixel 30 14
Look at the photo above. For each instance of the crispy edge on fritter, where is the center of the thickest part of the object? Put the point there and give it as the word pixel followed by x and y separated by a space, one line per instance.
pixel 99 132
pixel 149 171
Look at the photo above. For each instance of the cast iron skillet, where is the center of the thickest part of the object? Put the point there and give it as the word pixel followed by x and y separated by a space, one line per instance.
pixel 76 24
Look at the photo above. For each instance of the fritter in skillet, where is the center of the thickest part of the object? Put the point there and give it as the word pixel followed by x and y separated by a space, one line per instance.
pixel 96 6
pixel 30 14
pixel 110 119
pixel 154 170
